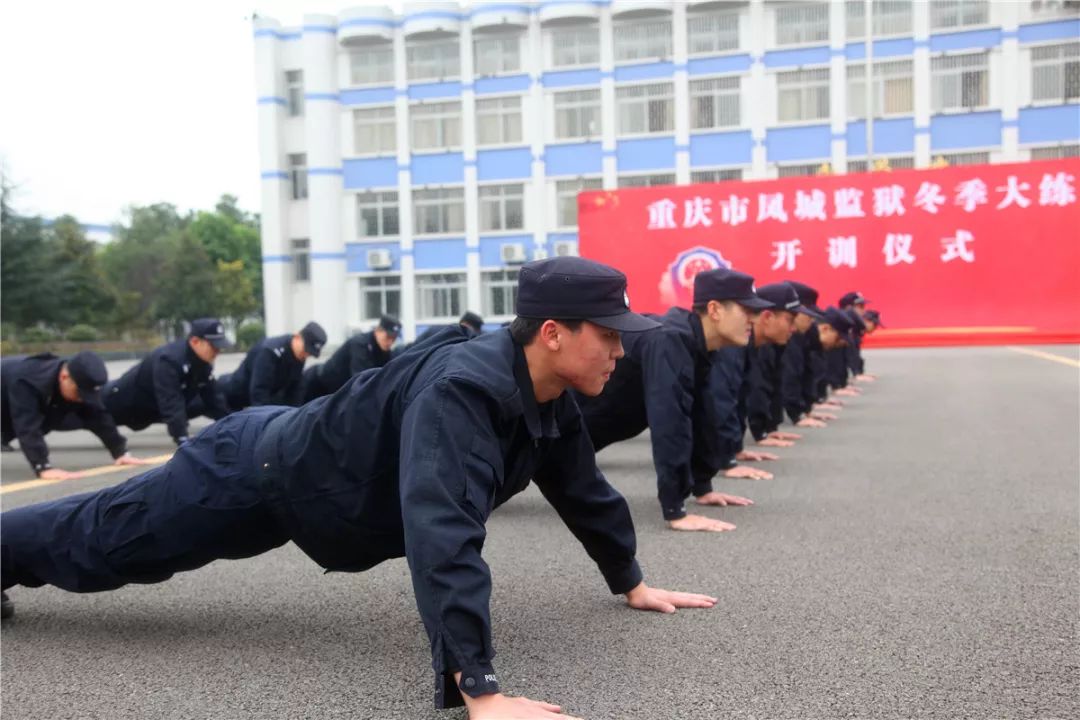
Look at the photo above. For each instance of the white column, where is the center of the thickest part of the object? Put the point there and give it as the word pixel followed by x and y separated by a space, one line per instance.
pixel 535 110
pixel 607 98
pixel 758 89
pixel 468 145
pixel 682 94
pixel 325 185
pixel 277 276
pixel 838 89
pixel 405 212
pixel 1008 83
pixel 921 72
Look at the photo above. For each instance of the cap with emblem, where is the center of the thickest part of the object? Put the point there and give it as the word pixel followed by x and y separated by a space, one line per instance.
pixel 808 296
pixel 852 298
pixel 573 288
pixel 473 320
pixel 390 324
pixel 724 284
pixel 839 321
pixel 314 338
pixel 875 317
pixel 782 296
pixel 211 330
pixel 89 373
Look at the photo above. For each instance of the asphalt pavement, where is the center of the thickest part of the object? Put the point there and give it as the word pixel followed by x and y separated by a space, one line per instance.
pixel 917 559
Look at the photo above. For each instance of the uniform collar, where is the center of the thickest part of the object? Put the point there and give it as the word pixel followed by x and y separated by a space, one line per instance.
pixel 698 332
pixel 540 420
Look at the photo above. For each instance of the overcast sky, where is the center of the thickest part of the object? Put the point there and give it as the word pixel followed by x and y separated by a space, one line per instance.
pixel 119 102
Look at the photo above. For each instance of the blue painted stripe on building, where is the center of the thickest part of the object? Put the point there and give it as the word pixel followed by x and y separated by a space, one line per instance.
pixel 810 142
pixel 681 67
pixel 328 29
pixel 922 129
pixel 356 256
pixel 470 163
pixel 645 71
pixel 424 91
pixel 682 148
pixel 277 34
pixel 798 56
pixel 366 173
pixel 645 154
pixel 837 52
pixel 1010 123
pixel 324 171
pixel 610 153
pixel 327 256
pixel 404 168
pixel 276 258
pixel 965 130
pixel 438 168
pixel 725 148
pixel 368 22
pixel 432 15
pixel 891 136
pixel 367 96
pixel 329 97
pixel 967 40
pixel 498 7
pixel 552 3
pixel 564 78
pixel 505 84
pixel 1010 34
pixel 921 44
pixel 573 159
pixel 723 64
pixel 274 175
pixel 271 101
pixel 894 47
pixel 843 135
pixel 439 253
pixel 1057 123
pixel 1058 30
pixel 491 247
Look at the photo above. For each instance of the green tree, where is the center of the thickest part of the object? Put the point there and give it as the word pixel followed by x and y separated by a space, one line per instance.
pixel 229 234
pixel 185 288
pixel 79 280
pixel 25 269
pixel 235 296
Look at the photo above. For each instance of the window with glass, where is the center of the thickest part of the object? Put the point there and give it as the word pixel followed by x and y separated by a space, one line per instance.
pixel 438 210
pixel 1055 73
pixel 803 95
pixel 497 53
pixel 896 162
pixel 380 295
pixel 298 178
pixel 498 121
pixel 715 176
pixel 802 24
pixel 502 207
pixel 645 108
pixel 374 130
pixel 642 40
pixel 890 17
pixel 294 92
pixel 636 181
pixel 566 194
pixel 577 114
pixel 807 170
pixel 714 103
pixel 435 125
pixel 1056 152
pixel 377 214
pixel 965 158
pixel 1050 9
pixel 575 46
pixel 711 33
pixel 432 59
pixel 301 259
pixel 440 295
pixel 500 292
pixel 372 65
pixel 959 82
pixel 893 89
pixel 951 14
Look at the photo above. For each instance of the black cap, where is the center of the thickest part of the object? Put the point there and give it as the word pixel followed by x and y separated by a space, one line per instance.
pixel 840 322
pixel 781 296
pixel 808 296
pixel 314 338
pixel 211 330
pixel 573 288
pixel 473 320
pixel 390 324
pixel 852 298
pixel 89 373
pixel 725 284
pixel 875 317
pixel 857 322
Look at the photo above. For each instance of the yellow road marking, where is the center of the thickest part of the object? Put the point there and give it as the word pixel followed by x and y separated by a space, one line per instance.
pixel 1046 356
pixel 90 472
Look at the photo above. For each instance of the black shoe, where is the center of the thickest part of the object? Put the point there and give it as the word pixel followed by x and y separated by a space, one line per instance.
pixel 6 447
pixel 7 608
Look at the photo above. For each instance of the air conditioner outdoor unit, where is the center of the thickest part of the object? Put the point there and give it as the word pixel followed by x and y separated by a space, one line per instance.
pixel 513 253
pixel 540 253
pixel 379 259
pixel 565 248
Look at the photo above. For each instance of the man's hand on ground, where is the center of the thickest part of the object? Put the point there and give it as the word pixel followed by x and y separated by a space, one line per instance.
pixel 718 498
pixel 129 459
pixel 496 706
pixel 644 597
pixel 699 523
pixel 58 474
pixel 742 472
pixel 773 442
pixel 753 456
pixel 811 422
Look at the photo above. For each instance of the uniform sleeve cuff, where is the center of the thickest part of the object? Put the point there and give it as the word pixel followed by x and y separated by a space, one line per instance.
pixel 476 680
pixel 704 487
pixel 623 579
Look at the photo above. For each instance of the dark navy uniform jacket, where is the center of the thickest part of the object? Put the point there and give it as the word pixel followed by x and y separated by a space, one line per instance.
pixel 836 368
pixel 358 353
pixel 160 388
pixel 269 375
pixel 662 384
pixel 853 353
pixel 763 395
pixel 802 374
pixel 33 406
pixel 411 459
pixel 729 392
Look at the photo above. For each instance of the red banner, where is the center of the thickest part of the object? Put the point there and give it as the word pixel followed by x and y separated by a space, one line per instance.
pixel 962 255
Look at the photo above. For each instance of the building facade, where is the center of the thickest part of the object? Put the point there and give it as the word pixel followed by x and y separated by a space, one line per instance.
pixel 411 162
